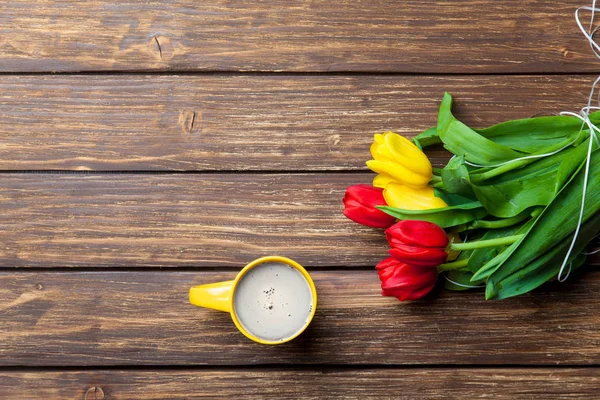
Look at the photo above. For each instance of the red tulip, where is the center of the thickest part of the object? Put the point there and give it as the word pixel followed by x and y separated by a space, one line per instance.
pixel 418 243
pixel 359 206
pixel 405 281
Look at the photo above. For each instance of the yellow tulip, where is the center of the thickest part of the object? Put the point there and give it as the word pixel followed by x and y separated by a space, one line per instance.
pixel 408 198
pixel 396 158
pixel 381 181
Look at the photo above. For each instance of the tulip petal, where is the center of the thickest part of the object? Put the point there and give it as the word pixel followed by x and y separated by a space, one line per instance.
pixel 381 153
pixel 399 173
pixel 419 256
pixel 378 138
pixel 408 198
pixel 386 263
pixel 382 180
pixel 417 233
pixel 399 158
pixel 407 282
pixel 404 152
pixel 360 205
pixel 369 218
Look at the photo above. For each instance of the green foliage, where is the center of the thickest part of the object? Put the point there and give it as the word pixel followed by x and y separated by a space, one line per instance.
pixel 446 217
pixel 518 177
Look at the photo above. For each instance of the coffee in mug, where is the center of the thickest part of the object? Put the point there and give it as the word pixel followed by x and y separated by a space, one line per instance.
pixel 273 301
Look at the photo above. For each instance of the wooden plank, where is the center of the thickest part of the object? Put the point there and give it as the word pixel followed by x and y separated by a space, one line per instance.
pixel 219 122
pixel 171 220
pixel 143 318
pixel 168 220
pixel 471 36
pixel 472 383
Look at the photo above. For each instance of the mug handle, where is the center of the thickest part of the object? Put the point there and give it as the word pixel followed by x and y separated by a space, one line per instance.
pixel 214 295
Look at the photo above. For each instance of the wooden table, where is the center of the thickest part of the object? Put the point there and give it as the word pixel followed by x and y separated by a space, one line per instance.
pixel 150 146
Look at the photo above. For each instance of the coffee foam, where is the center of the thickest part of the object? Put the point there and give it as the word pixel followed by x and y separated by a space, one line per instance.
pixel 273 301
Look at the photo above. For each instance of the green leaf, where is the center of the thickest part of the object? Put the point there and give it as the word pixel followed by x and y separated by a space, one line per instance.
pixel 557 222
pixel 546 156
pixel 455 178
pixel 525 135
pixel 571 161
pixel 454 199
pixel 492 264
pixel 530 134
pixel 530 185
pixel 500 223
pixel 506 198
pixel 462 140
pixel 546 266
pixel 480 257
pixel 445 217
pixel 495 262
pixel 464 206
pixel 427 138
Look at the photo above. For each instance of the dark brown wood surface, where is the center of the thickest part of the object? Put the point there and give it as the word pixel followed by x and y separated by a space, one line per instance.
pixel 472 36
pixel 182 139
pixel 143 318
pixel 215 122
pixel 174 220
pixel 472 383
pixel 169 220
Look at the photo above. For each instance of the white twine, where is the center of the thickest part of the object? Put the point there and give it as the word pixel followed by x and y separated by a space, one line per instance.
pixel 567 275
pixel 590 32
pixel 593 130
pixel 595 251
pixel 461 285
pixel 583 115
pixel 592 252
pixel 523 158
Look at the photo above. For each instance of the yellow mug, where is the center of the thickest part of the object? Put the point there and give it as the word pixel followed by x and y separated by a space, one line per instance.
pixel 220 296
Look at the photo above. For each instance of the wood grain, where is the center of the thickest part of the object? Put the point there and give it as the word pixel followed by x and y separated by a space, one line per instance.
pixel 174 220
pixel 473 383
pixel 168 220
pixel 270 156
pixel 144 318
pixel 219 122
pixel 471 36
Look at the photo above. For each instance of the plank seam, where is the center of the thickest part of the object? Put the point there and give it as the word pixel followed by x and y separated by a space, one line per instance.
pixel 292 367
pixel 186 172
pixel 4 269
pixel 171 72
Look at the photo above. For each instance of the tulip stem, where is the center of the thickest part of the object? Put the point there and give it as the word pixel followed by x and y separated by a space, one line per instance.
pixel 536 212
pixel 480 244
pixel 453 265
pixel 501 223
pixel 435 179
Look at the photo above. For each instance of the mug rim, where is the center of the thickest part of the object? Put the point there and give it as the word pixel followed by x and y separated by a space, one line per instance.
pixel 262 260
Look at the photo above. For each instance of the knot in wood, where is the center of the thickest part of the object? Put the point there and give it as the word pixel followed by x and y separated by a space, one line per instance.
pixel 94 393
pixel 162 46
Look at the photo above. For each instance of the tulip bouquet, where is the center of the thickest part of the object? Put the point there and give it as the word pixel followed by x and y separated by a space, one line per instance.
pixel 516 206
